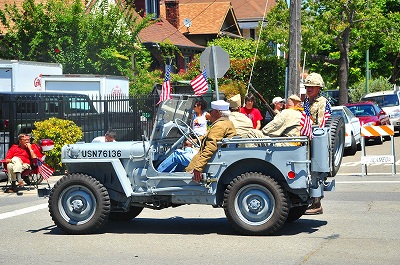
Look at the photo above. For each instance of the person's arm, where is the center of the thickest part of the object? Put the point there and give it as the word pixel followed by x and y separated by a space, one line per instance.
pixel 258 126
pixel 259 118
pixel 30 150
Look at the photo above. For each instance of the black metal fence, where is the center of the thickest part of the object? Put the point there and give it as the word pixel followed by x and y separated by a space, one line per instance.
pixel 131 117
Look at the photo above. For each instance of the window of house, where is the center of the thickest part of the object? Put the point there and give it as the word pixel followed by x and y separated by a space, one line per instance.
pixel 253 34
pixel 186 60
pixel 152 7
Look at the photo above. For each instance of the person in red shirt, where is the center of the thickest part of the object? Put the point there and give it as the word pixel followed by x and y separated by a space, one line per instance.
pixel 253 113
pixel 18 159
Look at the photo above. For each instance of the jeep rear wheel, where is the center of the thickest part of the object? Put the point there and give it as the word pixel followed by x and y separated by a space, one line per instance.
pixel 336 124
pixel 255 204
pixel 79 204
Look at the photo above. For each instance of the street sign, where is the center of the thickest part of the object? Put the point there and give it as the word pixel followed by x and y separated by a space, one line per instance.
pixel 215 56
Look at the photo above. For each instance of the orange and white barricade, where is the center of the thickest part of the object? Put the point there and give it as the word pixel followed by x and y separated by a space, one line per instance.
pixel 377 131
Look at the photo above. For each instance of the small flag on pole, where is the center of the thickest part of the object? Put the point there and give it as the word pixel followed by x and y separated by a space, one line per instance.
pixel 306 122
pixel 327 114
pixel 45 171
pixel 166 86
pixel 199 84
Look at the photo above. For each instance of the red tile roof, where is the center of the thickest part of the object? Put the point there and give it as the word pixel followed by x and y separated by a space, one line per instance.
pixel 207 18
pixel 162 31
pixel 244 9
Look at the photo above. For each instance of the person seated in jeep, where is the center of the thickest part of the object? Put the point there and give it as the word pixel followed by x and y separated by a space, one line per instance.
pixel 287 122
pixel 179 159
pixel 221 127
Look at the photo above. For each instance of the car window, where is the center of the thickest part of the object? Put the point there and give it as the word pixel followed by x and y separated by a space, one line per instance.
pixel 384 100
pixel 349 113
pixel 368 110
pixel 79 105
pixel 362 110
pixel 341 114
pixel 26 106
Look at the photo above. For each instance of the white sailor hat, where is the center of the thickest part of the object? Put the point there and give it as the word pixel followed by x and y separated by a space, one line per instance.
pixel 220 105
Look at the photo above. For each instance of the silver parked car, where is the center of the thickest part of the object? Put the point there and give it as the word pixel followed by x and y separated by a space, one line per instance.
pixel 353 129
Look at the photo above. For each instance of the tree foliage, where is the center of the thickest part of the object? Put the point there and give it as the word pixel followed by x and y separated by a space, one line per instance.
pixel 375 85
pixel 336 35
pixel 103 41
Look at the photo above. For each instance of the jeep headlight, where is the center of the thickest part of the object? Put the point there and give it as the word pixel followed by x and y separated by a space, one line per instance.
pixel 72 151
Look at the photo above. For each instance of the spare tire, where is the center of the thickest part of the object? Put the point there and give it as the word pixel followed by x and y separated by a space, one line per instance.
pixel 337 129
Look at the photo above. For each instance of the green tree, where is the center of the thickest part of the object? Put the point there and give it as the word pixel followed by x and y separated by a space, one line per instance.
pixel 336 32
pixel 375 85
pixel 103 41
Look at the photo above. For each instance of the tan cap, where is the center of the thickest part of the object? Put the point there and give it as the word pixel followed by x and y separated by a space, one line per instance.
pixel 314 79
pixel 294 98
pixel 235 101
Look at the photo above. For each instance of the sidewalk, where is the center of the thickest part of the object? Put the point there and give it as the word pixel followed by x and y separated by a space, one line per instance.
pixel 31 190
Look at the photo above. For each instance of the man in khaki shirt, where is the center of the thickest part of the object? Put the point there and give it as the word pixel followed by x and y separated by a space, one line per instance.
pixel 221 127
pixel 287 122
pixel 317 102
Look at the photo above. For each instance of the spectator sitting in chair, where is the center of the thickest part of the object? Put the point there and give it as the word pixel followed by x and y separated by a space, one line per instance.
pixel 18 159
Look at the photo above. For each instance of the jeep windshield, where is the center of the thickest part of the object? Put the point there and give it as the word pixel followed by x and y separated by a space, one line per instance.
pixel 179 107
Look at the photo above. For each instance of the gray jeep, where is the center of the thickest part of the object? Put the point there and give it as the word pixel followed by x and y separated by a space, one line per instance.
pixel 260 183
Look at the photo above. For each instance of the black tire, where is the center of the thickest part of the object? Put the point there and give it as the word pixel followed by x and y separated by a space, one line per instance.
pixel 125 216
pixel 336 124
pixel 352 150
pixel 295 213
pixel 378 140
pixel 79 204
pixel 266 197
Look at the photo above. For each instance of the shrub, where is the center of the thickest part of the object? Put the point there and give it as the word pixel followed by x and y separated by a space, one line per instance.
pixel 61 132
pixel 375 85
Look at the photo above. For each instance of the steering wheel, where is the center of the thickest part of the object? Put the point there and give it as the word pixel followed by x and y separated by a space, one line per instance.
pixel 187 131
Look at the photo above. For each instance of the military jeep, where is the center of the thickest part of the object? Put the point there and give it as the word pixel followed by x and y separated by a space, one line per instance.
pixel 261 183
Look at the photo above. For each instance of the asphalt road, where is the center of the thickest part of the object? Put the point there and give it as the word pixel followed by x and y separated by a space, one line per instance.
pixel 359 226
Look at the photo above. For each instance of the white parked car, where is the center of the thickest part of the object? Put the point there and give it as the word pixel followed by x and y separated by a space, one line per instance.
pixel 353 128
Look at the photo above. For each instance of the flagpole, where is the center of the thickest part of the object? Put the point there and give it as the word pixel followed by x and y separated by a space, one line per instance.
pixel 215 70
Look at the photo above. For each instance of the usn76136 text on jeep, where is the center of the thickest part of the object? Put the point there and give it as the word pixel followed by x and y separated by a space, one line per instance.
pixel 260 187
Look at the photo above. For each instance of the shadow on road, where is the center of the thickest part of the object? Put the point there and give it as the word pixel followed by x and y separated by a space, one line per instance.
pixel 191 226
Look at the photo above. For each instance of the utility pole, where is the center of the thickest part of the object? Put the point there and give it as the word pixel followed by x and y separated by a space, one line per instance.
pixel 294 48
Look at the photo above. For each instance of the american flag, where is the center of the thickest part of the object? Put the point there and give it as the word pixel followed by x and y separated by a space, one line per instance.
pixel 327 114
pixel 199 84
pixel 45 171
pixel 166 86
pixel 306 122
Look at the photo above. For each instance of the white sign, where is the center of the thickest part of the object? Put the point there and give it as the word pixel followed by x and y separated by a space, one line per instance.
pixel 377 160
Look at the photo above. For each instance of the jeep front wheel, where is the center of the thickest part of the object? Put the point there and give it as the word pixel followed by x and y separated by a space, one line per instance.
pixel 255 204
pixel 79 204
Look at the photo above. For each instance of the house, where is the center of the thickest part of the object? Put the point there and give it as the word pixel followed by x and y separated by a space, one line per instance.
pixel 201 22
pixel 249 13
pixel 163 31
